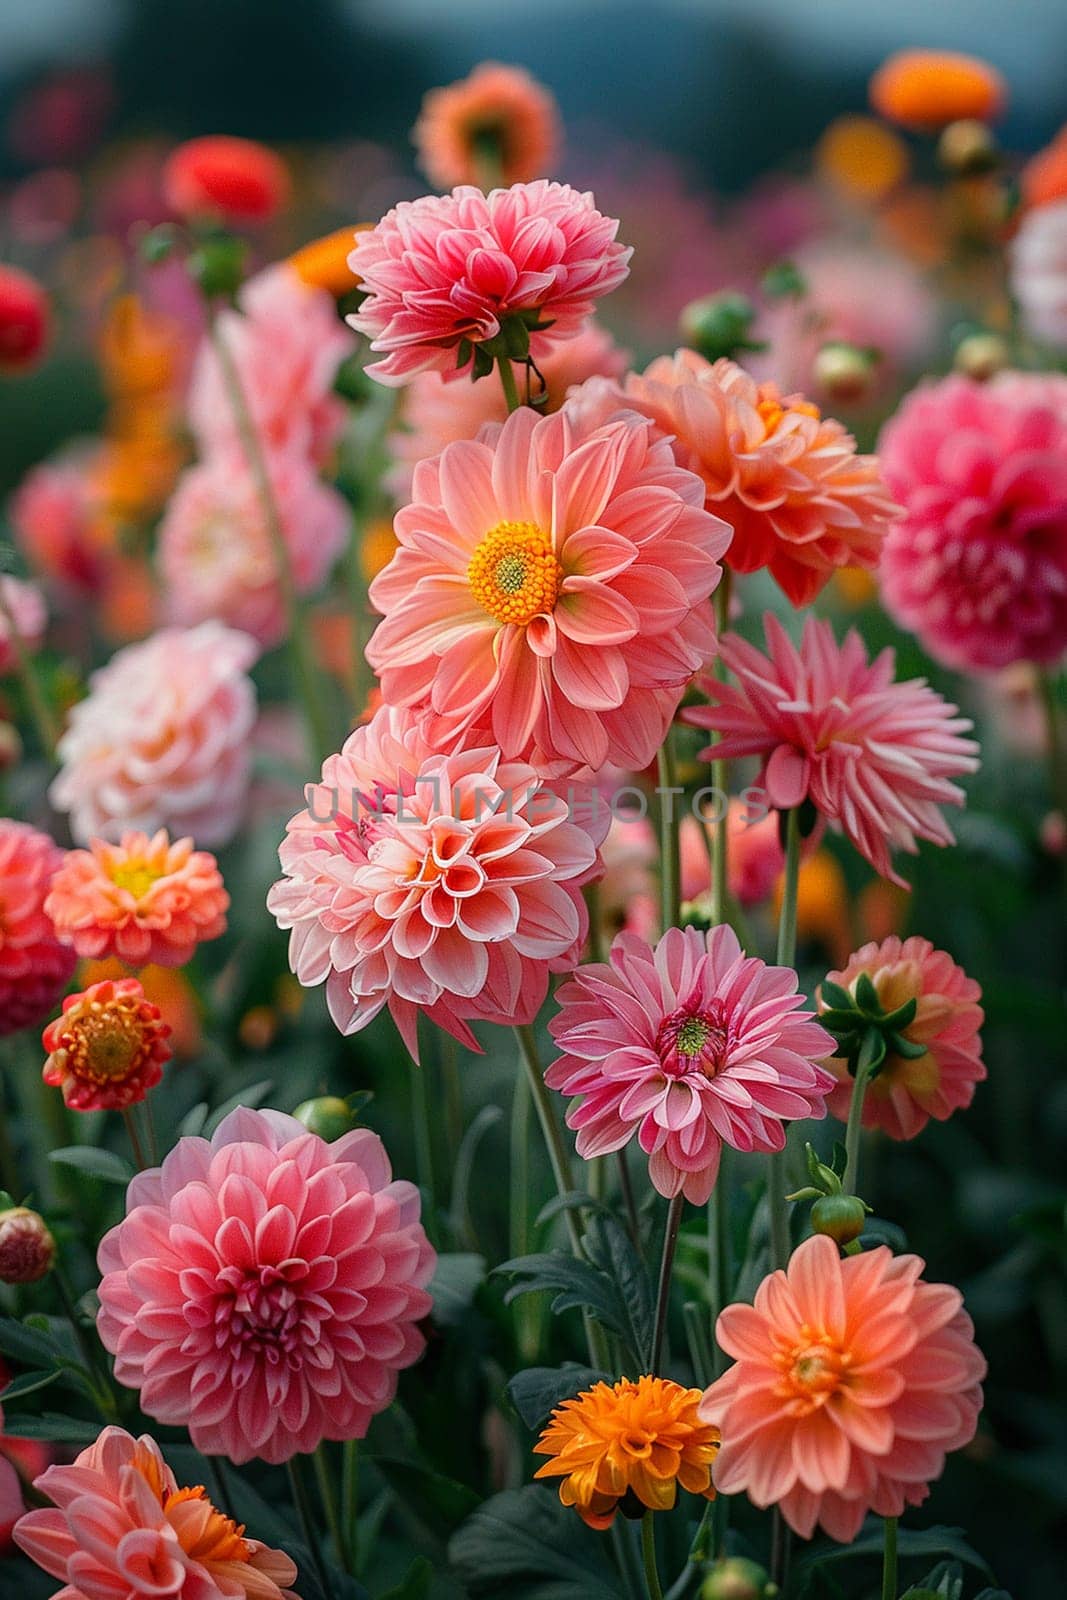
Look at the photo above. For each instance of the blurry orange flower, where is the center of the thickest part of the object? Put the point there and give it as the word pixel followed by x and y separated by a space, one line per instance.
pixel 168 988
pixel 323 263
pixel 499 123
pixel 822 904
pixel 238 180
pixel 855 587
pixel 140 350
pixel 931 88
pixel 107 1049
pixel 1044 178
pixel 129 603
pixel 861 156
pixel 628 1444
pixel 377 548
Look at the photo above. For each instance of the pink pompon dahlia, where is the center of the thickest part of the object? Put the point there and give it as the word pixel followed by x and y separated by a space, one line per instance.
pixel 22 620
pixel 122 1526
pixel 162 738
pixel 852 1380
pixel 215 553
pixel 445 273
pixel 447 884
pixel 691 1045
pixel 265 1287
pixel 35 965
pixel 875 758
pixel 905 1094
pixel 789 481
pixel 144 900
pixel 498 119
pixel 552 581
pixel 977 566
pixel 107 1048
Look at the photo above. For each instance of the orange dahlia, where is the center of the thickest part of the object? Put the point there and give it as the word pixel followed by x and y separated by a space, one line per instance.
pixel 108 1048
pixel 931 88
pixel 323 263
pixel 499 124
pixel 627 1446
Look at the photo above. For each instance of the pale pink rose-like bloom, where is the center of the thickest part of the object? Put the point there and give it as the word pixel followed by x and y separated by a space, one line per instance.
pixel 800 499
pixel 552 581
pixel 501 105
pixel 122 1527
pixel 162 739
pixel 144 900
pixel 905 1094
pixel 690 1046
pixel 286 342
pixel 447 269
pixel 875 758
pixel 852 1380
pixel 55 518
pixel 215 553
pixel 1039 272
pixel 977 565
pixel 265 1287
pixel 23 604
pixel 425 882
pixel 35 966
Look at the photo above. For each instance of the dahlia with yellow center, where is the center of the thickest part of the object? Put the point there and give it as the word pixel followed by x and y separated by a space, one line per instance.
pixel 627 1446
pixel 514 573
pixel 108 1048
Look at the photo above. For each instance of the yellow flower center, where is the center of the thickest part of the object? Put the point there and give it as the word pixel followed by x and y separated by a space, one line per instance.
pixel 105 1043
pixel 772 412
pixel 135 875
pixel 211 1538
pixel 812 1371
pixel 514 573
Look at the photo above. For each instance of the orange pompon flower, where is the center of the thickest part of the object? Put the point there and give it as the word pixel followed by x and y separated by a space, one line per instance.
pixel 236 180
pixel 323 263
pixel 499 126
pixel 931 88
pixel 108 1048
pixel 626 1446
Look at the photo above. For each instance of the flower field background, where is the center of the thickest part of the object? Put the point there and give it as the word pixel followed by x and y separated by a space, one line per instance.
pixel 533 750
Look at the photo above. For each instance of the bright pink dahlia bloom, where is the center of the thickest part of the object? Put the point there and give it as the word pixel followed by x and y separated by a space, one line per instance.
pixel 122 1529
pixel 907 1093
pixel 448 884
pixel 265 1286
pixel 691 1046
pixel 35 966
pixel 162 739
pixel 552 581
pixel 23 606
pixel 852 1380
pixel 451 270
pixel 977 566
pixel 873 757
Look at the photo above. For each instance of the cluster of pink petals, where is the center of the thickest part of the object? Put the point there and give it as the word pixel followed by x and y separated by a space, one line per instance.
pixel 215 552
pixel 799 498
pixel 907 1093
pixel 875 758
pixel 594 670
pixel 447 884
pixel 852 1380
pixel 265 1287
pixel 442 270
pixel 54 516
pixel 122 1527
pixel 690 1046
pixel 502 105
pixel 977 566
pixel 23 614
pixel 162 739
pixel 754 855
pixel 1039 272
pixel 144 900
pixel 35 966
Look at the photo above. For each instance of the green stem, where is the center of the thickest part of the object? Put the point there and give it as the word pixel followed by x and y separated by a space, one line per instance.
pixel 350 1503
pixel 94 1361
pixel 720 775
pixel 669 863
pixel 663 1294
pixel 787 955
pixel 526 1308
pixel 648 1556
pixel 1057 746
pixel 719 1273
pixel 135 1140
pixel 305 1511
pixel 854 1128
pixel 507 379
pixel 420 1107
pixel 889 1560
pixel 329 1503
pixel 36 700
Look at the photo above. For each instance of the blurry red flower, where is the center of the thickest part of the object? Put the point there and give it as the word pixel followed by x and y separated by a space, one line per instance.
pixel 219 175
pixel 24 319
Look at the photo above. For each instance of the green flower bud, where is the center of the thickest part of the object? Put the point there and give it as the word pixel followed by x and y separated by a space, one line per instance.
pixel 329 1116
pixel 737 1578
pixel 719 325
pixel 218 266
pixel 982 355
pixel 840 1216
pixel 844 372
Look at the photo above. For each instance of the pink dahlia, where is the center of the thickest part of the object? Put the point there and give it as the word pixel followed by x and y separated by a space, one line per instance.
pixel 35 966
pixel 57 520
pixel 852 1380
pixel 122 1527
pixel 444 273
pixel 265 1286
pixel 162 740
pixel 448 884
pixel 22 613
pixel 907 1093
pixel 144 900
pixel 552 581
pixel 977 566
pixel 691 1045
pixel 216 557
pixel 789 481
pixel 287 343
pixel 754 856
pixel 499 116
pixel 873 757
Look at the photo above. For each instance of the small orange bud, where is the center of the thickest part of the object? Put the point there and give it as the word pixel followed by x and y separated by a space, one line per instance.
pixel 930 88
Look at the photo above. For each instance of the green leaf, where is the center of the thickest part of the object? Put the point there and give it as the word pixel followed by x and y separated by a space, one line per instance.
pixel 30 1346
pixel 457 1279
pixel 440 1503
pixel 415 1585
pixel 867 995
pixel 102 1164
pixel 911 1543
pixel 539 1390
pixel 487 1118
pixel 253 1096
pixel 835 996
pixel 526 1534
pixel 52 1427
pixel 27 1383
pixel 192 1124
pixel 610 1247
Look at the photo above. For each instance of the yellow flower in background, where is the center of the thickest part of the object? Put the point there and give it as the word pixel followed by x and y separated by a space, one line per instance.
pixel 862 157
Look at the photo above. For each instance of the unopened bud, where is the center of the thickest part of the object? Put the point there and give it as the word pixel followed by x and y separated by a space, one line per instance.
pixel 329 1116
pixel 981 355
pixel 839 1216
pixel 967 149
pixel 719 324
pixel 218 266
pixel 737 1578
pixel 27 1248
pixel 844 372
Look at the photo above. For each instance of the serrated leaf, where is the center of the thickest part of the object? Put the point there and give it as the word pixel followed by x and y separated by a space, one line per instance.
pixel 610 1247
pixel 102 1164
pixel 536 1392
pixel 526 1534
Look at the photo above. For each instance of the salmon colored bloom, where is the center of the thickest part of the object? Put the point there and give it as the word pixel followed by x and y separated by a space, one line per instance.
pixel 57 519
pixel 799 498
pixel 144 900
pixel 875 758
pixel 930 88
pixel 264 1289
pixel 25 320
pixel 21 605
pixel 122 1526
pixel 447 272
pixel 498 122
pixel 852 1380
pixel 690 1046
pixel 627 1446
pixel 108 1047
pixel 236 180
pixel 35 965
pixel 552 581
pixel 323 263
pixel 904 1095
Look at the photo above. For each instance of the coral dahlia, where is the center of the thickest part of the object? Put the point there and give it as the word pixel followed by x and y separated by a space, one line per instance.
pixel 108 1047
pixel 499 117
pixel 35 965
